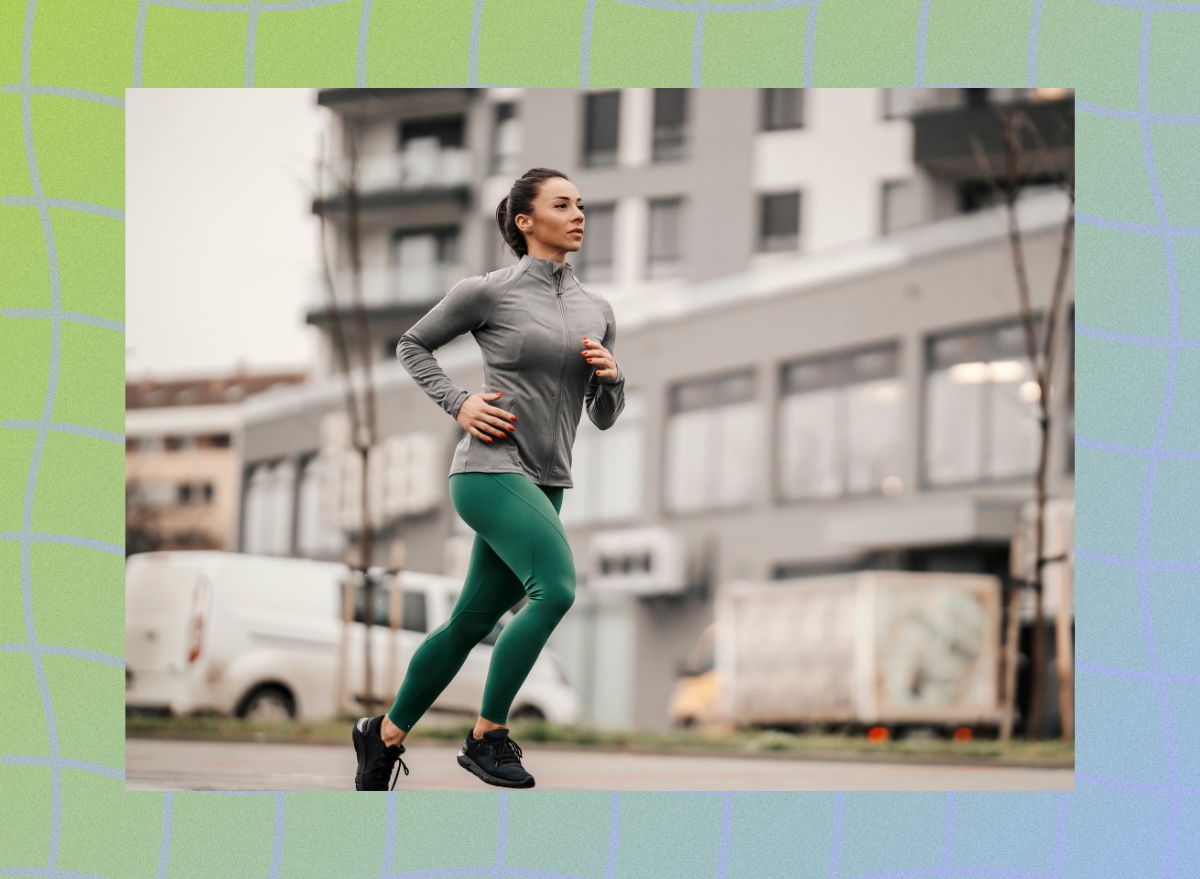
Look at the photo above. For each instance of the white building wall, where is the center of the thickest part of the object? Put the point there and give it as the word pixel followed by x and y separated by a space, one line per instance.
pixel 839 161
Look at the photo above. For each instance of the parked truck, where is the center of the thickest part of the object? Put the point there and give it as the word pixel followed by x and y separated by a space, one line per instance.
pixel 889 648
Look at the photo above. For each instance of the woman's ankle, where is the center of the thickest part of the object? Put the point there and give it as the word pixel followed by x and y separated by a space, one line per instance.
pixel 392 734
pixel 482 726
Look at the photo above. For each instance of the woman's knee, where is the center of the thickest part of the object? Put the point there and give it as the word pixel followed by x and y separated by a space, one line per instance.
pixel 558 594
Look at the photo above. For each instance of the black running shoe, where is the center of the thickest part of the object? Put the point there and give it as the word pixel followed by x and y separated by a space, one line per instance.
pixel 375 759
pixel 495 759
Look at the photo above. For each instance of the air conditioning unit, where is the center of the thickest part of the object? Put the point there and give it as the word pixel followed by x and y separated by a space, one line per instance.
pixel 638 561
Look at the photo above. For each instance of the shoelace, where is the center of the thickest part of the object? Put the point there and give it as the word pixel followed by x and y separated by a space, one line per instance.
pixel 380 764
pixel 507 751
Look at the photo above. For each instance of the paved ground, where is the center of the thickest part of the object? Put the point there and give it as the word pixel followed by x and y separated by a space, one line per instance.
pixel 165 764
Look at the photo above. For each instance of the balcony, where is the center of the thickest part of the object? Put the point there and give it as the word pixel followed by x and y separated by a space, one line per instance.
pixel 418 175
pixel 386 288
pixel 942 139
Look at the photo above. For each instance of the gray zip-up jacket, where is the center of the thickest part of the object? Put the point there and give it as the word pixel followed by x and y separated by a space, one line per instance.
pixel 530 320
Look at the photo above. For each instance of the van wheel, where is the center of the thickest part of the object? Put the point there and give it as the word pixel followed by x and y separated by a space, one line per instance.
pixel 528 712
pixel 269 704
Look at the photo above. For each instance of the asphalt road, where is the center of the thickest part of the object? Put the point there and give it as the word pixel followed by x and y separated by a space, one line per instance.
pixel 170 764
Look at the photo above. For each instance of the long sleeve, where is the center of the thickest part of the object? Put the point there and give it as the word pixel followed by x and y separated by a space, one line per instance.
pixel 605 398
pixel 463 309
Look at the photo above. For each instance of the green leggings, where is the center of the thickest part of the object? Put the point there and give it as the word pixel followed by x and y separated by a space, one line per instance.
pixel 520 550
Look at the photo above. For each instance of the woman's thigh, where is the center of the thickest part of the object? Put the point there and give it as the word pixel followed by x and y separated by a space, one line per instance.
pixel 490 586
pixel 518 521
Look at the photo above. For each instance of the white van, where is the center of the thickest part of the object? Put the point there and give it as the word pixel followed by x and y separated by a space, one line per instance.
pixel 260 637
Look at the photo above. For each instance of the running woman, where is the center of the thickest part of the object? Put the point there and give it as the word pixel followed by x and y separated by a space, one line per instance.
pixel 547 345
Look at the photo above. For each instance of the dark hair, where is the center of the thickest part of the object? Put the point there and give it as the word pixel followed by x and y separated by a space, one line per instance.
pixel 520 201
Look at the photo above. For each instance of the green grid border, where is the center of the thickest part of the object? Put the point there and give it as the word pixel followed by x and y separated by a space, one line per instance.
pixel 64 68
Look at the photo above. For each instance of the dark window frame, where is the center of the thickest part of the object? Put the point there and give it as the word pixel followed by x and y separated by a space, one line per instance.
pixel 765 200
pixel 774 116
pixel 842 365
pixel 989 352
pixel 669 140
pixel 495 163
pixel 593 155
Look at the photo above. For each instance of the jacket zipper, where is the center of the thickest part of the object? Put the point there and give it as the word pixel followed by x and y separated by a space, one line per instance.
pixel 558 396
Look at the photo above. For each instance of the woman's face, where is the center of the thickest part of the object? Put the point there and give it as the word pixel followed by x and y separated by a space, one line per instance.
pixel 557 218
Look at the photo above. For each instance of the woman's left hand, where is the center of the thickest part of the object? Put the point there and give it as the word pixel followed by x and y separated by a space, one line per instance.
pixel 600 358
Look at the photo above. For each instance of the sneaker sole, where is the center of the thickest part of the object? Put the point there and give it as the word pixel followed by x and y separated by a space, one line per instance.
pixel 468 764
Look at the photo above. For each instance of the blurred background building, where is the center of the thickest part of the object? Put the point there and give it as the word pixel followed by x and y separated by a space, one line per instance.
pixel 182 450
pixel 818 317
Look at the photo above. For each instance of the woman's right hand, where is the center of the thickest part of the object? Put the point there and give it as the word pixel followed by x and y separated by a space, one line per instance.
pixel 481 419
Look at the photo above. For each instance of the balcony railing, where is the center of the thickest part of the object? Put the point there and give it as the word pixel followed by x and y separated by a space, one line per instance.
pixel 411 170
pixel 943 140
pixel 389 285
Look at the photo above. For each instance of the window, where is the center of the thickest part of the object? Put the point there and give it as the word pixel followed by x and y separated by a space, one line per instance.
pixel 432 151
pixel 900 206
pixel 670 121
pixel 268 520
pixel 779 221
pixel 782 108
pixel 840 422
pixel 425 261
pixel 194 493
pixel 506 139
pixel 714 443
pixel 315 537
pixel 594 260
pixel 413 616
pixel 607 468
pixel 666 218
pixel 600 129
pixel 981 407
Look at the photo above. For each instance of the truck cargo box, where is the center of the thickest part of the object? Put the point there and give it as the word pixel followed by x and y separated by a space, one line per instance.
pixel 886 647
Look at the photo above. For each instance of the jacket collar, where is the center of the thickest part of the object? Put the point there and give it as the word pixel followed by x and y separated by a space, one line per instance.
pixel 546 268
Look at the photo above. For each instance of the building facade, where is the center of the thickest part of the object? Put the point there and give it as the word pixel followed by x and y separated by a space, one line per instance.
pixel 182 452
pixel 818 320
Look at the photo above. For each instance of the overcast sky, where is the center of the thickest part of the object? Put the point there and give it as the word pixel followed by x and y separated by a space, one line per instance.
pixel 220 238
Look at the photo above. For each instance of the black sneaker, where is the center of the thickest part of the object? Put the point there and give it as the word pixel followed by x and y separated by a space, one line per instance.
pixel 375 759
pixel 495 759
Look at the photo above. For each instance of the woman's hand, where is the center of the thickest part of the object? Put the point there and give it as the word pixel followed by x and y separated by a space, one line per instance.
pixel 480 419
pixel 601 358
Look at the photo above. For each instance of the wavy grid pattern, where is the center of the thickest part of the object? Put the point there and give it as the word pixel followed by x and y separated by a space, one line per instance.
pixel 1138 663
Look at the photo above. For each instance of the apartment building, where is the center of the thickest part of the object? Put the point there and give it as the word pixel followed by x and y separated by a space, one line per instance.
pixel 182 449
pixel 817 317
